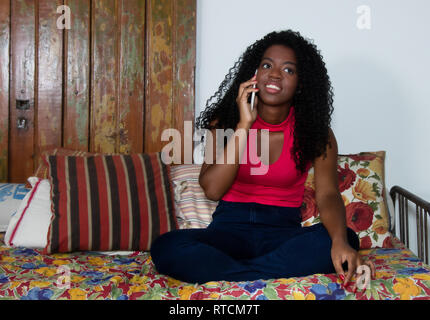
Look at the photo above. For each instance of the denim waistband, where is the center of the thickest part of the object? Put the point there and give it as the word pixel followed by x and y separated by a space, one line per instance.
pixel 256 213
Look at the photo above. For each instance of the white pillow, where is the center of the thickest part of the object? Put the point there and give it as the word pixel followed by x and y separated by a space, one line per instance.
pixel 11 196
pixel 29 226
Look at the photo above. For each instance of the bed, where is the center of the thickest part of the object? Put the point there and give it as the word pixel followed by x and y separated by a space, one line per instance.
pixel 32 274
pixel 27 274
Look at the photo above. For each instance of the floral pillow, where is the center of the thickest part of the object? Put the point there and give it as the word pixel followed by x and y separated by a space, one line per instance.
pixel 362 186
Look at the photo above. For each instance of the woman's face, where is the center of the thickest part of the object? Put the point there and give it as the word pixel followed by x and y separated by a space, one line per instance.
pixel 277 76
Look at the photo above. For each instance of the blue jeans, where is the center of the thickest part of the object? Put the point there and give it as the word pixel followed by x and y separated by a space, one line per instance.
pixel 244 242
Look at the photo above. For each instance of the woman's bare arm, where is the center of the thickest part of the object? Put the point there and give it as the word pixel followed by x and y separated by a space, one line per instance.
pixel 220 168
pixel 327 195
pixel 333 213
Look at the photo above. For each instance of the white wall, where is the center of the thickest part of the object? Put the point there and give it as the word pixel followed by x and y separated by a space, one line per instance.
pixel 380 76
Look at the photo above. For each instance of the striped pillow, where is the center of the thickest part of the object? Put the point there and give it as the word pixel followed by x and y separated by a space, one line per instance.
pixel 109 202
pixel 194 207
pixel 42 170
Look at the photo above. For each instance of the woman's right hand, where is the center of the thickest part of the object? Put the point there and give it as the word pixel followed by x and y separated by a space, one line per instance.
pixel 247 117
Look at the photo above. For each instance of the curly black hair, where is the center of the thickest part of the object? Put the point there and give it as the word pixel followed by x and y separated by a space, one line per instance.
pixel 313 100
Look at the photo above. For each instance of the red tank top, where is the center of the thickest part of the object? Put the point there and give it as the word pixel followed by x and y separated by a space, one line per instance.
pixel 277 184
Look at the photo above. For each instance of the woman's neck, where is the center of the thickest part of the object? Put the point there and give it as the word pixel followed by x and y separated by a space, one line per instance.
pixel 273 115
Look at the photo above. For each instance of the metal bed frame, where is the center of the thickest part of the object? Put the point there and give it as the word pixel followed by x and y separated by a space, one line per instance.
pixel 422 212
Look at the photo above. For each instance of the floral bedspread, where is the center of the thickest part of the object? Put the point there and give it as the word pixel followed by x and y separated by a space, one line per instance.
pixel 27 274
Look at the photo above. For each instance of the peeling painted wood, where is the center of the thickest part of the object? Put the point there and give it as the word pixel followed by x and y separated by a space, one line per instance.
pixel 4 87
pixel 132 76
pixel 126 75
pixel 184 78
pixel 185 51
pixel 77 77
pixel 21 143
pixel 171 65
pixel 159 112
pixel 105 77
pixel 49 46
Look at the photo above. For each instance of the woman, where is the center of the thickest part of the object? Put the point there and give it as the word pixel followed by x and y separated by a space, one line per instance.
pixel 256 230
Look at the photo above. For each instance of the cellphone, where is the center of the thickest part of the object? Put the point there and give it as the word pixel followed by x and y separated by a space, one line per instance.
pixel 253 94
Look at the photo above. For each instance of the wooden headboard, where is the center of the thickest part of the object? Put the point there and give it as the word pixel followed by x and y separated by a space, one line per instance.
pixel 110 82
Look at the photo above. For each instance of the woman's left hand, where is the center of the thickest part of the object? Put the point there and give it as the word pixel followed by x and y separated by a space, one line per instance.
pixel 341 253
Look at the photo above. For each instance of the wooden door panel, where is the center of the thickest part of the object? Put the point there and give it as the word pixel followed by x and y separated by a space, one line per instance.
pixel 170 66
pixel 132 76
pixel 104 89
pixel 4 87
pixel 111 83
pixel 77 76
pixel 21 140
pixel 49 78
pixel 159 89
pixel 184 79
